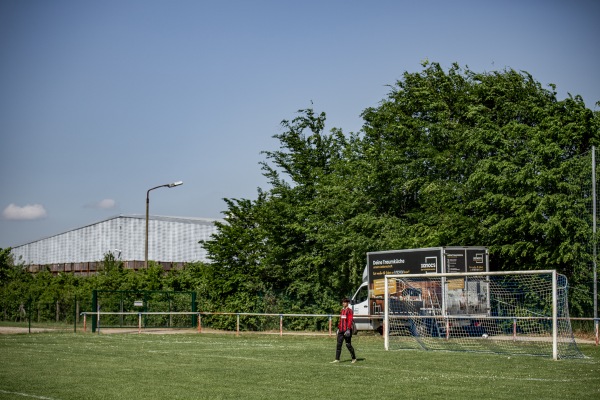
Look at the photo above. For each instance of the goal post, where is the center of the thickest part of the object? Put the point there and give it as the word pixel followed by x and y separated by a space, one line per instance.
pixel 512 312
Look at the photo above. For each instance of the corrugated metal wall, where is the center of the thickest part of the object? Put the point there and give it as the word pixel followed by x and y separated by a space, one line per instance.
pixel 170 239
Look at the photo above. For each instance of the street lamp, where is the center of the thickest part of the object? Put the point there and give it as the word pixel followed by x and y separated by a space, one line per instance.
pixel 169 185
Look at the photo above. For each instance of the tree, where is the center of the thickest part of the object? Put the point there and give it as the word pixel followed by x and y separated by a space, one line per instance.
pixel 489 159
pixel 263 247
pixel 448 158
pixel 6 265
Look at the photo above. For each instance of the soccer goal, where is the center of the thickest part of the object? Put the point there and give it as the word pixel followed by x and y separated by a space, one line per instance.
pixel 518 312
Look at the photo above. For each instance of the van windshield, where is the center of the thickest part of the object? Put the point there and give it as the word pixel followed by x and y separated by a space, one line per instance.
pixel 362 295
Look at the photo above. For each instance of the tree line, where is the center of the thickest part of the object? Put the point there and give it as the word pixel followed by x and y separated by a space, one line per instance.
pixel 448 158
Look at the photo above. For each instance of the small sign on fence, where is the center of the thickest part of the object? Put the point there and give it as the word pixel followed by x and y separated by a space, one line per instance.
pixel 138 303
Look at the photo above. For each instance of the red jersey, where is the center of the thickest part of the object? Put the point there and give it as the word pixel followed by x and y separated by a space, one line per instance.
pixel 346 318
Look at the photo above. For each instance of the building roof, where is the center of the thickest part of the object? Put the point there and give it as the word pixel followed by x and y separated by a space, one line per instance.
pixel 170 239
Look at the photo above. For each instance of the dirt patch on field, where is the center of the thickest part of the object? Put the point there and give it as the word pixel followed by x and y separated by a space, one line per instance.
pixel 11 330
pixel 150 331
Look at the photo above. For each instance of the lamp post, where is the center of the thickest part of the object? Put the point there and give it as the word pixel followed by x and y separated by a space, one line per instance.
pixel 169 185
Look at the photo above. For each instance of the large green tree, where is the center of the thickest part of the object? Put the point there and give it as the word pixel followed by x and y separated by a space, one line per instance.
pixel 488 159
pixel 450 157
pixel 268 254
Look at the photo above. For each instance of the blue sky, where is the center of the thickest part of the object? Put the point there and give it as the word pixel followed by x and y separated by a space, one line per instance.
pixel 102 100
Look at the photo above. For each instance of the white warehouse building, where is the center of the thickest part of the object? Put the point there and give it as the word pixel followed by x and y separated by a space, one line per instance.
pixel 172 242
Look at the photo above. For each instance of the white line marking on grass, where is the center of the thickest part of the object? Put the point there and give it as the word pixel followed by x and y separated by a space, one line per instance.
pixel 240 358
pixel 210 356
pixel 27 395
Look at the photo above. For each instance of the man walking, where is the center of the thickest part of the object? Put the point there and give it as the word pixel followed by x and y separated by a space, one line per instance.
pixel 344 332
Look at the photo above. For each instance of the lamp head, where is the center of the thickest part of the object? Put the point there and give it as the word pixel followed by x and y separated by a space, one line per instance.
pixel 175 184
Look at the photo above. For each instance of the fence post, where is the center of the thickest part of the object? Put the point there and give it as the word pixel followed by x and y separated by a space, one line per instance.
pixel 84 321
pixel 193 295
pixel 139 323
pixel 199 323
pixel 330 323
pixel 280 324
pixel 75 315
pixel 514 329
pixel 237 328
pixel 29 316
pixel 94 307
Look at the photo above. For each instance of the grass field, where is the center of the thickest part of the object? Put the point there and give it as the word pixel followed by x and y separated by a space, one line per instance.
pixel 65 366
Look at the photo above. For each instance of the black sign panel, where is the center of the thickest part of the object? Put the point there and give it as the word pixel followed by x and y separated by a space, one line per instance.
pixel 455 260
pixel 417 261
pixel 477 260
pixel 422 261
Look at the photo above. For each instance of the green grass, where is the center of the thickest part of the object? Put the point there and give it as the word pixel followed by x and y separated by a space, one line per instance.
pixel 65 366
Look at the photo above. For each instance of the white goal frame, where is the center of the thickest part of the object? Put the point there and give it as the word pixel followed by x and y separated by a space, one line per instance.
pixel 443 276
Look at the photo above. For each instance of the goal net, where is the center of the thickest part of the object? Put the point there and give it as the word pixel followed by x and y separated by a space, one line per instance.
pixel 518 312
